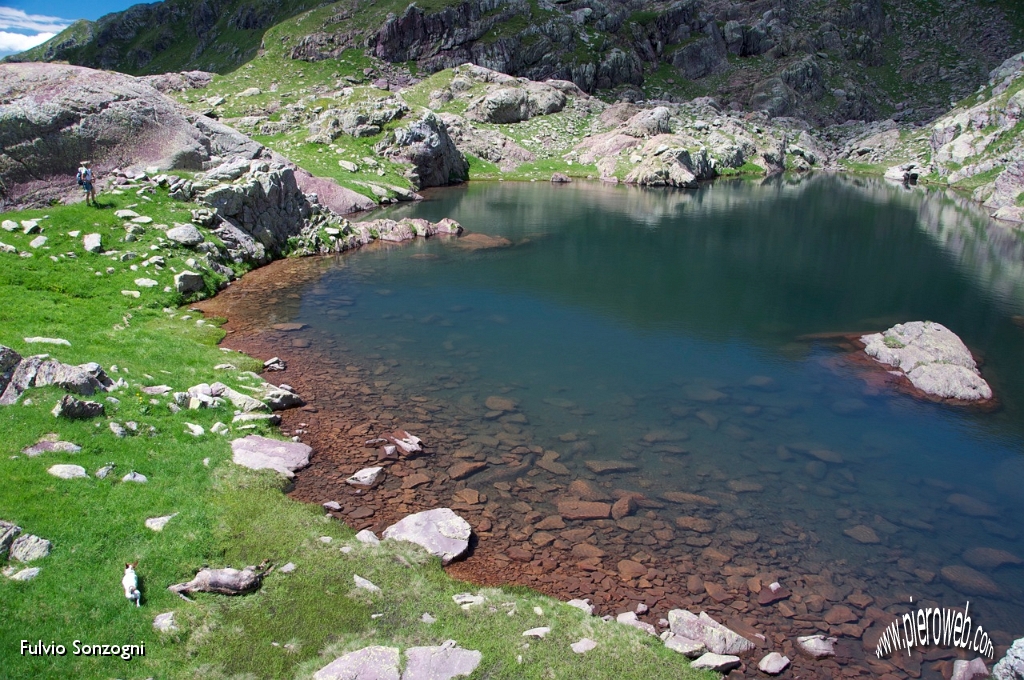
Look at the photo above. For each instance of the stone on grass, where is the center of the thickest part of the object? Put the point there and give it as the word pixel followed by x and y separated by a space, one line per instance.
pixel 630 619
pixel 773 663
pixel 38 242
pixel 583 646
pixel 334 506
pixel 28 547
pixel 135 477
pixel 368 663
pixel 932 357
pixel 443 662
pixel 125 214
pixel 8 532
pixel 105 470
pixel 720 663
pixel 68 471
pixel 582 605
pixel 158 523
pixel 76 409
pixel 365 584
pixel 25 574
pixel 468 600
pixel 93 243
pixel 440 531
pixel 195 430
pixel 260 453
pixel 288 568
pixel 164 623
pixel 1011 666
pixel 47 341
pixel 817 646
pixel 539 632
pixel 281 397
pixel 186 235
pixel 50 445
pixel 146 283
pixel 219 428
pixel 427 618
pixel 367 478
pixel 703 628
pixel 685 646
pixel 368 537
pixel 188 282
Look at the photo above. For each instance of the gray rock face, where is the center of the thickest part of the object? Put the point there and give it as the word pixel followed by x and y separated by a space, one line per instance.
pixel 8 532
pixel 54 115
pixel 38 371
pixel 186 235
pixel 1011 666
pixel 934 359
pixel 428 147
pixel 68 471
pixel 27 548
pixel 260 453
pixel 74 409
pixel 188 282
pixel 440 531
pixel 443 662
pixel 716 637
pixel 369 663
pixel 516 104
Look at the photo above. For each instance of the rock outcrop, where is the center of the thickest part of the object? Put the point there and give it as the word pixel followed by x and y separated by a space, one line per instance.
pixel 52 116
pixel 933 358
pixel 428 147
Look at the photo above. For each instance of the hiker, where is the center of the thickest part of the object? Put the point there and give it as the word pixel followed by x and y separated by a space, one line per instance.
pixel 85 180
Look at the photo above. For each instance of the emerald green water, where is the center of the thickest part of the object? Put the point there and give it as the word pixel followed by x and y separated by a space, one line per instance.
pixel 619 311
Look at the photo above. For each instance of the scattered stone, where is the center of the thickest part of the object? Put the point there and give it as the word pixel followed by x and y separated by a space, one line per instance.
pixel 47 341
pixel 500 404
pixel 158 523
pixel 186 235
pixel 332 505
pixel 368 537
pixel 443 662
pixel 367 478
pixel 840 614
pixel 463 469
pixel 45 445
pixel 368 663
pixel 969 670
pixel 118 430
pixel 990 558
pixel 691 649
pixel 68 471
pixel 188 282
pixel 104 471
pixel 967 580
pixel 862 534
pixel 721 663
pixel 703 628
pixel 606 466
pixel 468 600
pixel 75 409
pixel 427 618
pixel 38 242
pixel 364 584
pixel 288 568
pixel 630 619
pixel 195 430
pixel 773 593
pixel 970 506
pixel 817 646
pixel 134 477
pixel 1011 666
pixel 260 453
pixel 574 509
pixel 773 663
pixel 93 243
pixel 164 623
pixel 440 531
pixel 25 574
pixel 582 605
pixel 27 548
pixel 8 532
pixel 559 178
pixel 540 632
pixel 583 646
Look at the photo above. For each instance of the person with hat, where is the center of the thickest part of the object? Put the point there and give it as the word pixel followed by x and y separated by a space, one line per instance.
pixel 85 180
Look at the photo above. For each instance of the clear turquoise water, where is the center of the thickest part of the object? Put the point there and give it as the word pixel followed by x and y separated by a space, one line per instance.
pixel 617 306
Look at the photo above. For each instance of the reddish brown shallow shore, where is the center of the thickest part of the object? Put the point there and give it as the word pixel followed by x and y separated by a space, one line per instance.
pixel 698 554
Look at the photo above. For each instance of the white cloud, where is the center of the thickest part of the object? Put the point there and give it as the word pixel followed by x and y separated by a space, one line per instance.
pixel 16 42
pixel 35 23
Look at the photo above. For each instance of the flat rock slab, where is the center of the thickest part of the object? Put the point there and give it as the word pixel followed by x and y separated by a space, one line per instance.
pixel 817 646
pixel 368 663
pixel 574 509
pixel 440 531
pixel 68 471
pixel 968 580
pixel 442 662
pixel 367 478
pixel 773 663
pixel 932 357
pixel 50 446
pixel 721 663
pixel 703 628
pixel 583 646
pixel 158 523
pixel 260 453
pixel 25 574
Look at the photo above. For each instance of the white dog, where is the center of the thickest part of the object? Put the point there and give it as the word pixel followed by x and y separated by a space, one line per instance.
pixel 130 583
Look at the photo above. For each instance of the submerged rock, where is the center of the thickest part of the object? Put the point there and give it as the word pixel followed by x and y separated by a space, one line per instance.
pixel 817 646
pixel 703 628
pixel 932 357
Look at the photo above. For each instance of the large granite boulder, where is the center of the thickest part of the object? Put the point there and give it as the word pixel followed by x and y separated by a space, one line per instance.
pixel 428 147
pixel 440 531
pixel 52 116
pixel 260 453
pixel 932 357
pixel 717 638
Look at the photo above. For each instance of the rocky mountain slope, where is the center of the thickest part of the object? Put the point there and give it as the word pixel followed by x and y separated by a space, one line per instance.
pixel 821 60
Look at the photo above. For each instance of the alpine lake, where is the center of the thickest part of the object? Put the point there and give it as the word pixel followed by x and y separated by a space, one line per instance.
pixel 687 349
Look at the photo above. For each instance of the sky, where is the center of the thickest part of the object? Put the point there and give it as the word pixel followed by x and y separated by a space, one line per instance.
pixel 27 23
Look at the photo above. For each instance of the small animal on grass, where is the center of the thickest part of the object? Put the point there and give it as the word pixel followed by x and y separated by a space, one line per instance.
pixel 130 583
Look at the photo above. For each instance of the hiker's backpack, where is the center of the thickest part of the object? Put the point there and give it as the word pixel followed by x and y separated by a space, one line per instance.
pixel 79 176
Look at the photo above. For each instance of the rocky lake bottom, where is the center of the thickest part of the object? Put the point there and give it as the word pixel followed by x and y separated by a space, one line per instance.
pixel 632 401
